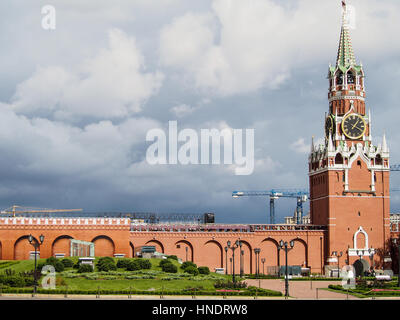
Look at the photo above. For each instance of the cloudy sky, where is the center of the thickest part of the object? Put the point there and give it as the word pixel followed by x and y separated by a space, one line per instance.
pixel 76 102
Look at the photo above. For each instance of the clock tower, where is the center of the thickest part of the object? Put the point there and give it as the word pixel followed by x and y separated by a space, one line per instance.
pixel 348 174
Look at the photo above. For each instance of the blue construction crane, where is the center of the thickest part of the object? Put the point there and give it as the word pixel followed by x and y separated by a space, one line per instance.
pixel 301 195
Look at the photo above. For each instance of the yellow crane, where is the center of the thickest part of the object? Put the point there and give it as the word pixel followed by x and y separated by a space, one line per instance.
pixel 19 209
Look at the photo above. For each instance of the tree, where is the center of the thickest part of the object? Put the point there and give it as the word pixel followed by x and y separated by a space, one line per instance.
pixel 394 254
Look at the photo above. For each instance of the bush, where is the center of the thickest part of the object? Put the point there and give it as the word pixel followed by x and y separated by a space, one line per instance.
pixel 133 265
pixel 51 261
pixel 106 264
pixel 173 257
pixel 59 266
pixel 123 263
pixel 12 281
pixel 192 270
pixel 203 270
pixel 40 265
pixel 9 272
pixel 188 264
pixel 144 263
pixel 85 268
pixel 68 263
pixel 164 261
pixel 169 267
pixel 220 284
pixel 29 282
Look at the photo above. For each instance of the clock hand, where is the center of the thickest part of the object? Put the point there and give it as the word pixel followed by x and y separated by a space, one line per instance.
pixel 356 123
pixel 361 129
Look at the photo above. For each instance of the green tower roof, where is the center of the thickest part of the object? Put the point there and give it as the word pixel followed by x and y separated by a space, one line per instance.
pixel 345 56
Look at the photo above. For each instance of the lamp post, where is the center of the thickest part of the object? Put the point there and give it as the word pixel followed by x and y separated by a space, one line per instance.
pixel 226 260
pixel 257 253
pixel 360 253
pixel 233 248
pixel 241 258
pixel 334 253
pixel 242 266
pixel 186 249
pixel 279 261
pixel 36 245
pixel 284 245
pixel 338 261
pixel 263 261
pixel 371 257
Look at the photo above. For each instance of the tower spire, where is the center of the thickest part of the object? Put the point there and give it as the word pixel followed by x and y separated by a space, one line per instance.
pixel 345 57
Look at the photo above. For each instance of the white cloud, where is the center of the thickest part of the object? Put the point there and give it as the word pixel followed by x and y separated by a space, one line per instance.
pixel 182 110
pixel 242 46
pixel 239 57
pixel 300 146
pixel 112 84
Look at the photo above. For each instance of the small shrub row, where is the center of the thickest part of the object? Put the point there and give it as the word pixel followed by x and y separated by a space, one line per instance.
pixel 134 264
pixel 143 292
pixel 169 267
pixel 221 284
pixel 56 263
pixel 187 264
pixel 106 264
pixel 84 268
pixel 5 264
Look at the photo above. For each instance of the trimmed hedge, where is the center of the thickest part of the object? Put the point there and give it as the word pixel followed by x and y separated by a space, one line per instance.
pixel 106 264
pixel 133 265
pixel 12 281
pixel 123 263
pixel 83 268
pixel 203 270
pixel 144 263
pixel 188 264
pixel 260 292
pixel 192 270
pixel 68 263
pixel 173 257
pixel 169 267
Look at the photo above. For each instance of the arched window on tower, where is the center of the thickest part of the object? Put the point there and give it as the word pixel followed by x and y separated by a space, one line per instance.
pixel 338 159
pixel 378 160
pixel 339 79
pixel 350 77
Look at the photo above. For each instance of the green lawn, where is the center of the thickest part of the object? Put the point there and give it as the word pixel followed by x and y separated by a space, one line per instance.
pixel 137 284
pixel 117 281
pixel 389 290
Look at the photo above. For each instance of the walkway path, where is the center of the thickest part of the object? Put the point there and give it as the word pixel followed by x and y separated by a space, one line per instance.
pixel 301 289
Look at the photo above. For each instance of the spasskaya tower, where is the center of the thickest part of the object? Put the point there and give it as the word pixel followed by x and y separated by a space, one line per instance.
pixel 348 174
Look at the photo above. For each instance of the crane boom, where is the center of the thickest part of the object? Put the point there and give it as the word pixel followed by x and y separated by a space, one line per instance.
pixel 395 167
pixel 273 194
pixel 19 209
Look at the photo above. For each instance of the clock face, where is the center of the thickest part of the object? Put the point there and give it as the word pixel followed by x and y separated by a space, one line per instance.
pixel 353 126
pixel 329 126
